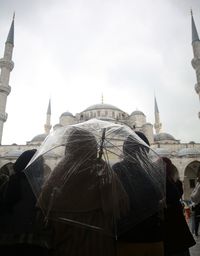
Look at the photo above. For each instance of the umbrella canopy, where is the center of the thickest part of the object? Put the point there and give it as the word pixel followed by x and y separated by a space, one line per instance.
pixel 105 178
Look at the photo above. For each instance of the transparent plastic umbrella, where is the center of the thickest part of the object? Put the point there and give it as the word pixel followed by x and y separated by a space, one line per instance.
pixel 97 176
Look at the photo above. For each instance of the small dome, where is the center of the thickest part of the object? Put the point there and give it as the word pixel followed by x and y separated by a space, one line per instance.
pixel 39 137
pixel 162 152
pixel 188 152
pixel 101 106
pixel 67 113
pixel 137 112
pixel 163 136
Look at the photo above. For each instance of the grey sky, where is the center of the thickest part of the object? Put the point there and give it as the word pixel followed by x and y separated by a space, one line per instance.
pixel 73 51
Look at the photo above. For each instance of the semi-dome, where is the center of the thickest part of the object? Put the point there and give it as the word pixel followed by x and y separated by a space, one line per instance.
pixel 188 152
pixel 67 113
pixel 56 126
pixel 162 152
pixel 39 137
pixel 102 106
pixel 137 112
pixel 108 119
pixel 163 136
pixel 13 154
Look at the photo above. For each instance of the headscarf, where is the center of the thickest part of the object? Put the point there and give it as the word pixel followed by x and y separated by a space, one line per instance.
pixel 143 137
pixel 134 150
pixel 74 175
pixel 23 160
pixel 169 168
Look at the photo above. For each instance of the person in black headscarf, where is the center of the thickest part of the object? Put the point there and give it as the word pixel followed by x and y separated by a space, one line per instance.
pixel 177 236
pixel 78 199
pixel 3 185
pixel 13 192
pixel 20 235
pixel 195 196
pixel 140 232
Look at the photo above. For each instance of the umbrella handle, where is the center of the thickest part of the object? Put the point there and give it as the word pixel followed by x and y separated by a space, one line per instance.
pixel 55 190
pixel 101 145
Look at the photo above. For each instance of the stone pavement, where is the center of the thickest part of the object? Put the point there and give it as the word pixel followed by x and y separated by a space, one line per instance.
pixel 195 250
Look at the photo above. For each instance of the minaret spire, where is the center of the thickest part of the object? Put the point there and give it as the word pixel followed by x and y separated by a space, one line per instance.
pixel 195 36
pixel 156 106
pixel 10 38
pixel 196 53
pixel 6 65
pixel 49 108
pixel 102 98
pixel 47 126
pixel 157 124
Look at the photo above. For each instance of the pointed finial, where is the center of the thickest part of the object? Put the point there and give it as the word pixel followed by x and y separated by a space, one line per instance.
pixel 191 12
pixel 10 38
pixel 102 98
pixel 49 108
pixel 155 105
pixel 195 36
pixel 13 15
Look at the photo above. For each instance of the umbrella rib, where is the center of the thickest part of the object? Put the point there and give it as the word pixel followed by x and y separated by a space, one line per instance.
pixel 80 224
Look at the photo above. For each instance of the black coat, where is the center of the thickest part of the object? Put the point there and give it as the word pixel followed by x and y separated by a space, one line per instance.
pixel 177 236
pixel 20 203
pixel 143 223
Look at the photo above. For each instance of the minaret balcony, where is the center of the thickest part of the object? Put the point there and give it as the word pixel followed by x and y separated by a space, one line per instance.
pixel 47 128
pixel 6 64
pixel 195 63
pixel 5 89
pixel 157 125
pixel 197 88
pixel 3 117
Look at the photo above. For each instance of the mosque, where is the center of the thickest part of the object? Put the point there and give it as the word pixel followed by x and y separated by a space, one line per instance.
pixel 185 156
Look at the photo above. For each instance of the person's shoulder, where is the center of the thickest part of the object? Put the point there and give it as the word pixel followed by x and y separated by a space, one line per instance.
pixel 16 178
pixel 117 166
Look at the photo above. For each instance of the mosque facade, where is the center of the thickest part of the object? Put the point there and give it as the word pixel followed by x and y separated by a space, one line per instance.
pixel 185 156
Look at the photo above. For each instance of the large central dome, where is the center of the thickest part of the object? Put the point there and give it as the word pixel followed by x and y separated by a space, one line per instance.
pixel 104 112
pixel 102 106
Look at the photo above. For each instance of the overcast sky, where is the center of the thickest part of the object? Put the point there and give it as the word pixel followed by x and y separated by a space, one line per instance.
pixel 75 50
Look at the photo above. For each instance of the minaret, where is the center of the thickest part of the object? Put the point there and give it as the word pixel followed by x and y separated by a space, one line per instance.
pixel 157 124
pixel 47 126
pixel 102 99
pixel 196 52
pixel 6 65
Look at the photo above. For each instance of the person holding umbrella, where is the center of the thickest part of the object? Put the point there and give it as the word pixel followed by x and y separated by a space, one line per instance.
pixel 80 200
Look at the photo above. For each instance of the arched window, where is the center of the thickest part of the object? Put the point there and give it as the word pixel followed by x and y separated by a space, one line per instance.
pixel 190 178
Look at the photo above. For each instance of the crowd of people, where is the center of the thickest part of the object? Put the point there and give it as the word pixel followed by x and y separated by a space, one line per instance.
pixel 88 206
pixel 195 197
